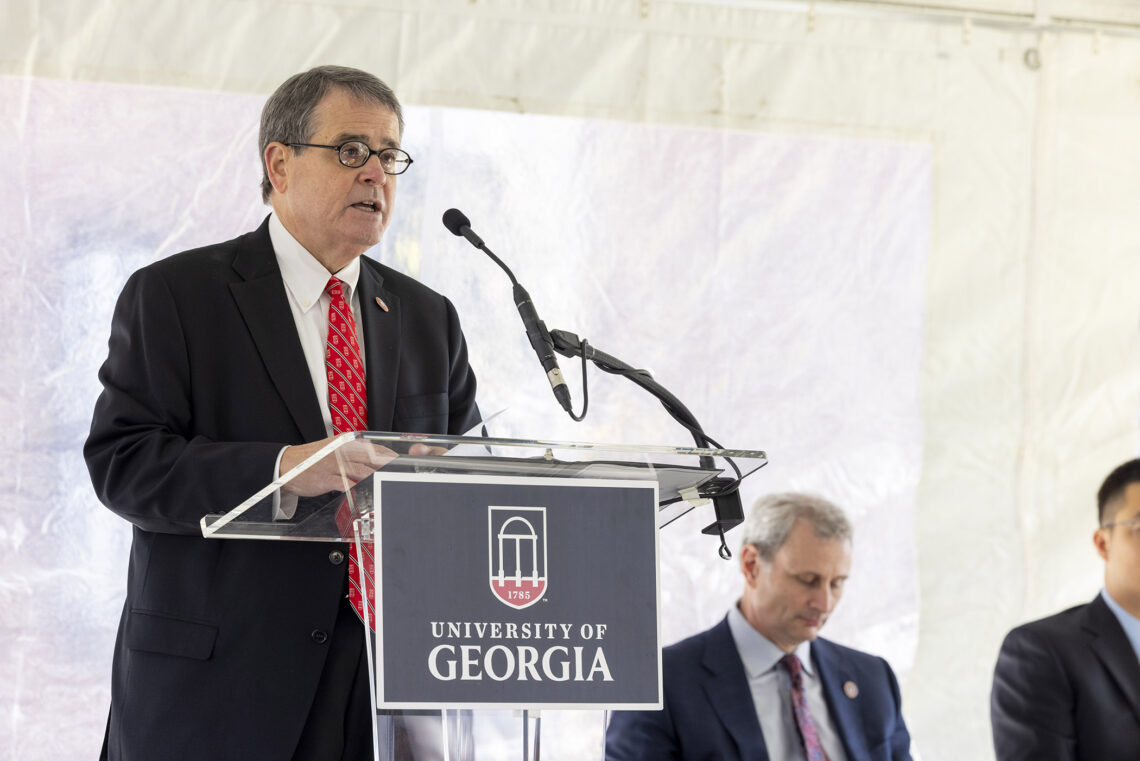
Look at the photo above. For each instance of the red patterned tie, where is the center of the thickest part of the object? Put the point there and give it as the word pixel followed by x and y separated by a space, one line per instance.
pixel 348 405
pixel 813 750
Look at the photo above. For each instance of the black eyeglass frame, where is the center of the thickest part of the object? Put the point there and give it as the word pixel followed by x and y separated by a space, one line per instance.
pixel 407 160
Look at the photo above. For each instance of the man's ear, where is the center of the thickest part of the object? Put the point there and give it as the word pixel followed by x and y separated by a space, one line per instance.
pixel 277 157
pixel 750 563
pixel 1100 540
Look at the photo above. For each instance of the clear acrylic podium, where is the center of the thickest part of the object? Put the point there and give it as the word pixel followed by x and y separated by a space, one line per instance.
pixel 340 490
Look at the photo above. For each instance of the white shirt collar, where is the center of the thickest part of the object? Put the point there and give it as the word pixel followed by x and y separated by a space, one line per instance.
pixel 759 653
pixel 304 276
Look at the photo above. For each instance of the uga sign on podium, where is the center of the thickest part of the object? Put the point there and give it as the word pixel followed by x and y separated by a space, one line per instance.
pixel 507 592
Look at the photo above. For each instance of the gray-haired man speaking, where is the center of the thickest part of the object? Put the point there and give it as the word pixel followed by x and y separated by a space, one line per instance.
pixel 762 684
pixel 228 365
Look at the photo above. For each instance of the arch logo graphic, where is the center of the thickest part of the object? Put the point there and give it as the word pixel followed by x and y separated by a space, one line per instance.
pixel 516 539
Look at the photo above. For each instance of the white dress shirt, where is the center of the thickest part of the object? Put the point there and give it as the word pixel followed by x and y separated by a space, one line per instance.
pixel 771 694
pixel 305 280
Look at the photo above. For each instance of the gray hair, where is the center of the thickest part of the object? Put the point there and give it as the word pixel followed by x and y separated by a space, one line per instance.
pixel 288 114
pixel 772 517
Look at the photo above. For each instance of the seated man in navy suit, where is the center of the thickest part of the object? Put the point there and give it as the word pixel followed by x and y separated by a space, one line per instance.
pixel 1067 687
pixel 761 684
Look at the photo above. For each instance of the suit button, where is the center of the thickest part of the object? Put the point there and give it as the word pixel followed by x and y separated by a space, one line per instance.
pixel 319 636
pixel 336 557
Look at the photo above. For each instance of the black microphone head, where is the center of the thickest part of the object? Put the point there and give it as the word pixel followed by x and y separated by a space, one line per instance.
pixel 455 220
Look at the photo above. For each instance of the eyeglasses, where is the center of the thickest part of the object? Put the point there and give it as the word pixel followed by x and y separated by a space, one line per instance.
pixel 1133 525
pixel 355 154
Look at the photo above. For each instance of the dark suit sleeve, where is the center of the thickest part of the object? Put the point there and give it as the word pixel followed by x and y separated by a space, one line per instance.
pixel 641 736
pixel 146 462
pixel 899 740
pixel 463 414
pixel 1031 704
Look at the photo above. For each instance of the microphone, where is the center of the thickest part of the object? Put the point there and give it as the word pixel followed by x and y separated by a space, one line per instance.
pixel 459 225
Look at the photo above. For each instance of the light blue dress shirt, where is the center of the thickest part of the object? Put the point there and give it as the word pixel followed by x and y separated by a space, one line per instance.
pixel 771 694
pixel 1129 622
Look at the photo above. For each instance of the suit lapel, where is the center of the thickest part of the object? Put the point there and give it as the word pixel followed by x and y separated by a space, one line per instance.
pixel 261 299
pixel 726 686
pixel 1112 648
pixel 832 675
pixel 380 312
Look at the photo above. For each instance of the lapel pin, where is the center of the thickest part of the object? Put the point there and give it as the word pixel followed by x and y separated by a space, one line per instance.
pixel 851 690
pixel 380 303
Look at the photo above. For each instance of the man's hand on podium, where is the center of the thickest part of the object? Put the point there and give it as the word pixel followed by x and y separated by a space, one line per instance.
pixel 354 461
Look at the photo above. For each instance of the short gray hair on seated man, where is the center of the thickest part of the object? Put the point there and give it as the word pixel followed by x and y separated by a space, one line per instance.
pixel 287 116
pixel 771 519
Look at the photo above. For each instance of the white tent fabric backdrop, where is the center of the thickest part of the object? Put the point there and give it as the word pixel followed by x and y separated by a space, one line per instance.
pixel 887 252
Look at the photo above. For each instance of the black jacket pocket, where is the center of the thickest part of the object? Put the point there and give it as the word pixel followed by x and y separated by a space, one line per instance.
pixel 161 633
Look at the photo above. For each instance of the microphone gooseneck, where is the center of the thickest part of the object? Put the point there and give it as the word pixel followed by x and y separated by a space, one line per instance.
pixel 458 224
pixel 721 490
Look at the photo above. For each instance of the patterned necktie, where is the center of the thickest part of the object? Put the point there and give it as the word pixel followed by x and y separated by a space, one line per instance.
pixel 813 750
pixel 348 406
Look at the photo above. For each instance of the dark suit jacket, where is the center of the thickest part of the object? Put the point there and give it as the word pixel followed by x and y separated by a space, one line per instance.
pixel 1067 687
pixel 709 714
pixel 220 644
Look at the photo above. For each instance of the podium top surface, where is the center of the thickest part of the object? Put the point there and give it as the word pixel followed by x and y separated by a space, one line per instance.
pixel 319 499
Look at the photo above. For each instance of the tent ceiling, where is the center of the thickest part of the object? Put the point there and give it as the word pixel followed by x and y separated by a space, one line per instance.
pixel 1120 15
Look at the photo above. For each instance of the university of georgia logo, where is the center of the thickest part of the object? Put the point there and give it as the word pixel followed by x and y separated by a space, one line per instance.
pixel 517 552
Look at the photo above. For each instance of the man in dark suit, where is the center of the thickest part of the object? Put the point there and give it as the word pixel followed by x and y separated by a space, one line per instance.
pixel 1067 687
pixel 215 383
pixel 761 684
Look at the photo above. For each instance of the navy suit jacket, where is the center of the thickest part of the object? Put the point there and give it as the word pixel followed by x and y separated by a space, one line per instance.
pixel 222 642
pixel 1067 688
pixel 709 715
